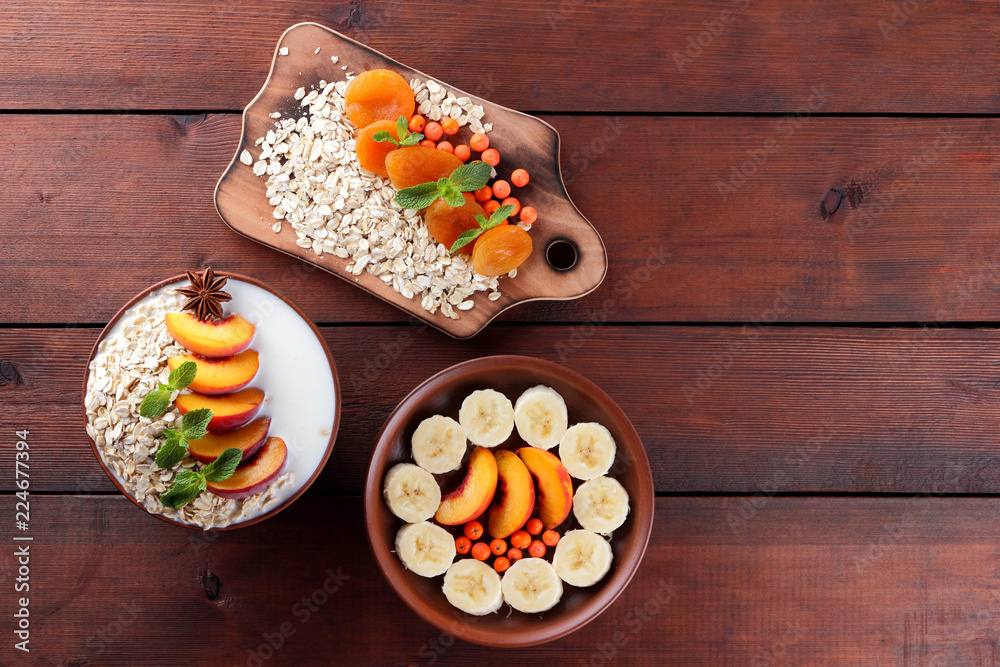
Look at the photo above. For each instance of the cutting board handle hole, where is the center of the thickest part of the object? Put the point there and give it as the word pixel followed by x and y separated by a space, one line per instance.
pixel 561 255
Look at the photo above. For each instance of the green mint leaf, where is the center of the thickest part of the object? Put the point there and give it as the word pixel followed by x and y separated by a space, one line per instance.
pixel 383 135
pixel 481 221
pixel 402 128
pixel 195 422
pixel 451 194
pixel 470 177
pixel 455 199
pixel 465 238
pixel 187 485
pixel 412 139
pixel 419 196
pixel 172 450
pixel 499 216
pixel 224 466
pixel 155 403
pixel 183 375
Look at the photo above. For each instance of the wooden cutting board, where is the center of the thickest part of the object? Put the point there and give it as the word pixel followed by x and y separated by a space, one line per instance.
pixel 569 259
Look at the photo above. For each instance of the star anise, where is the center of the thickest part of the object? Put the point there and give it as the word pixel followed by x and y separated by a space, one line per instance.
pixel 205 296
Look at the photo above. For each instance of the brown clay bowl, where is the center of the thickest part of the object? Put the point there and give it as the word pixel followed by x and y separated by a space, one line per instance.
pixel 443 394
pixel 333 430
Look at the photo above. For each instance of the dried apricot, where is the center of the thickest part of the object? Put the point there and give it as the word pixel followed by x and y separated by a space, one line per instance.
pixel 501 250
pixel 419 164
pixel 371 153
pixel 378 94
pixel 446 223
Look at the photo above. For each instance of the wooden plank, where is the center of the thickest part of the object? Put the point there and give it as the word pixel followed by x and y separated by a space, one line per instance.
pixel 719 56
pixel 802 581
pixel 735 410
pixel 914 239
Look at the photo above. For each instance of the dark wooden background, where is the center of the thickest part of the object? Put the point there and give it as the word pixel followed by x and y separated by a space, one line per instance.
pixel 800 205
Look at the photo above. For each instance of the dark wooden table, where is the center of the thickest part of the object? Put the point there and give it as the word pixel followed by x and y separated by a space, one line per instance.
pixel 799 201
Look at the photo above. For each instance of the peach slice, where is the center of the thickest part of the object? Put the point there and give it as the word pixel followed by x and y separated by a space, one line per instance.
pixel 229 412
pixel 555 489
pixel 517 501
pixel 214 338
pixel 474 494
pixel 250 438
pixel 252 478
pixel 220 376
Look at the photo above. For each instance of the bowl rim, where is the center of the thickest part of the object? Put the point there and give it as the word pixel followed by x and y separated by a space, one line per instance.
pixel 599 603
pixel 336 411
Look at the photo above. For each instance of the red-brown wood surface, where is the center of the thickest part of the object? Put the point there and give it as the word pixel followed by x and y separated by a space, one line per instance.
pixel 787 581
pixel 915 238
pixel 828 487
pixel 719 409
pixel 566 55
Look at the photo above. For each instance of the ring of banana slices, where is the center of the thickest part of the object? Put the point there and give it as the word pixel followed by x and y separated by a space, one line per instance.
pixel 487 419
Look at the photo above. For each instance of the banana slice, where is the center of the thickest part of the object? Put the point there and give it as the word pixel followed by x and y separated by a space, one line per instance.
pixel 532 586
pixel 473 586
pixel 582 558
pixel 587 450
pixel 438 444
pixel 487 417
pixel 601 505
pixel 411 492
pixel 541 417
pixel 425 548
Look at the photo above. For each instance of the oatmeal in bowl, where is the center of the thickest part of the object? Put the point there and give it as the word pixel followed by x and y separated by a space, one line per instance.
pixel 211 402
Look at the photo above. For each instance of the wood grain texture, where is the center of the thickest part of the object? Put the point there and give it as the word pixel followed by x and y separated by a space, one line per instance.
pixel 719 56
pixel 800 581
pixel 914 238
pixel 242 202
pixel 733 410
